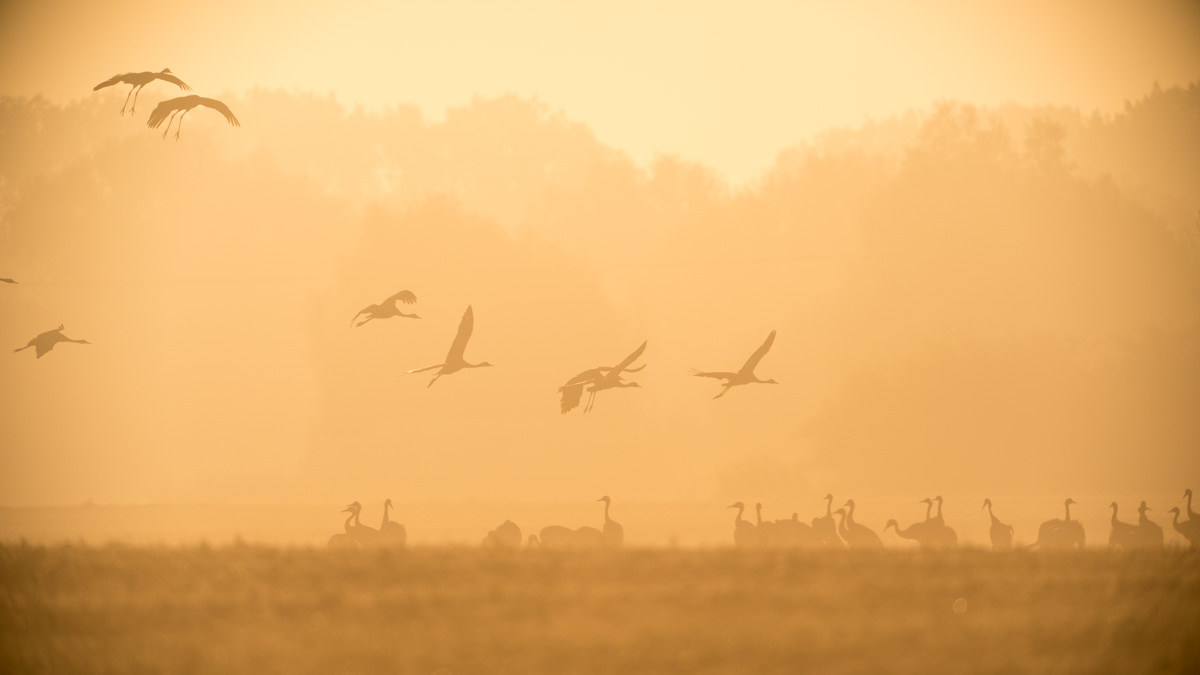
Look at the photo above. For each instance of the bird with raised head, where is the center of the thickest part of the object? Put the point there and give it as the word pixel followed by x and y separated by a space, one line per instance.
pixel 454 361
pixel 857 535
pixel 139 80
pixel 826 527
pixel 745 375
pixel 391 533
pixel 1060 533
pixel 184 104
pixel 1183 528
pixel 745 535
pixel 44 342
pixel 614 534
pixel 1001 534
pixel 1121 532
pixel 344 540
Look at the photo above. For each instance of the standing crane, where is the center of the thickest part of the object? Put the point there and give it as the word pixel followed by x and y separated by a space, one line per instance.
pixel 185 104
pixel 46 341
pixel 599 379
pixel 388 308
pixel 746 374
pixel 139 80
pixel 614 534
pixel 1001 534
pixel 454 358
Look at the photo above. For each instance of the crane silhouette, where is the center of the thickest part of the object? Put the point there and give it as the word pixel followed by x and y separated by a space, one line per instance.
pixel 139 80
pixel 745 535
pixel 1122 532
pixel 1187 494
pixel 391 533
pixel 44 342
pixel 1149 533
pixel 614 534
pixel 826 527
pixel 1001 534
pixel 185 104
pixel 856 534
pixel 1060 533
pixel 344 540
pixel 387 309
pixel 454 358
pixel 1186 528
pixel 365 535
pixel 599 379
pixel 746 374
pixel 506 536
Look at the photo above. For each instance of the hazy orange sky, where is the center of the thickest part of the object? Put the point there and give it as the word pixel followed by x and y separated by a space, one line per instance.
pixel 687 78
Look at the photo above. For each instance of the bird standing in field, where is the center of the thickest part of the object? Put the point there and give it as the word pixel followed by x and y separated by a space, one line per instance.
pixel 46 341
pixel 454 358
pixel 387 309
pixel 185 104
pixel 139 80
pixel 599 379
pixel 746 374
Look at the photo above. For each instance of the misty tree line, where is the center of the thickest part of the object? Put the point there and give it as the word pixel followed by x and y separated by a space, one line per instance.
pixel 963 276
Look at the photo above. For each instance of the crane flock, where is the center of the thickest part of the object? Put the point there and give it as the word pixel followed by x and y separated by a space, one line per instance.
pixel 821 533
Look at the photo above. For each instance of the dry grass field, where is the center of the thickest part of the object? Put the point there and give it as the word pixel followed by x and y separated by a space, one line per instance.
pixel 255 609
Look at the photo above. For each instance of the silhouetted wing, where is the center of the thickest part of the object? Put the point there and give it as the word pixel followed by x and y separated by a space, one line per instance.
pixel 757 355
pixel 160 112
pixel 586 377
pixel 173 80
pixel 719 376
pixel 626 370
pixel 629 359
pixel 464 333
pixel 110 82
pixel 364 310
pixel 221 108
pixel 570 398
pixel 407 297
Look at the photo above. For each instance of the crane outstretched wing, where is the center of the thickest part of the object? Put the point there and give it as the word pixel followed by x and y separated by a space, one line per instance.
pixel 465 327
pixel 719 376
pixel 407 297
pixel 628 360
pixel 570 398
pixel 758 354
pixel 161 111
pixel 173 80
pixel 221 108
pixel 364 310
pixel 115 79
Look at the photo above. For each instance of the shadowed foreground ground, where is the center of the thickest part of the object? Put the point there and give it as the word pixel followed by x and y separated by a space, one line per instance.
pixel 246 609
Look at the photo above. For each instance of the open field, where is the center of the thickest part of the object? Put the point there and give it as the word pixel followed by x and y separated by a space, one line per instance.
pixel 252 609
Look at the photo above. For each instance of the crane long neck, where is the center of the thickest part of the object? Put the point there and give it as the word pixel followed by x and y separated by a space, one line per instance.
pixel 1114 516
pixel 829 506
pixel 939 515
pixel 356 522
pixel 928 510
pixel 606 518
pixel 1189 505
pixel 386 506
pixel 348 519
pixel 758 514
pixel 738 518
pixel 1068 505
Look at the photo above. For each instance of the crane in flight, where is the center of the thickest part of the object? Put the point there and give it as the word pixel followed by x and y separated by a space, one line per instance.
pixel 599 379
pixel 387 309
pixel 139 80
pixel 46 341
pixel 185 104
pixel 454 358
pixel 746 374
